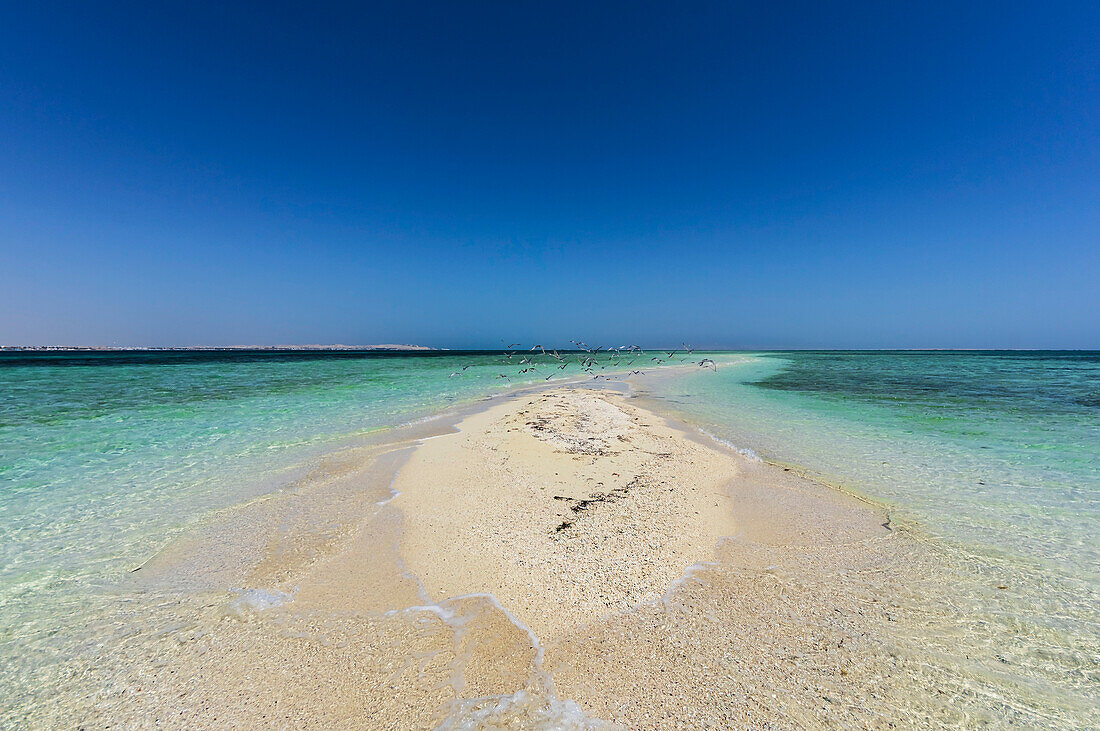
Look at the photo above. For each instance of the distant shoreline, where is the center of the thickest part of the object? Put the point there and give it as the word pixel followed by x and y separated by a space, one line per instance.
pixel 204 348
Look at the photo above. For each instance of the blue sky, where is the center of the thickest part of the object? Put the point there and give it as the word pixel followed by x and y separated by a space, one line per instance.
pixel 731 174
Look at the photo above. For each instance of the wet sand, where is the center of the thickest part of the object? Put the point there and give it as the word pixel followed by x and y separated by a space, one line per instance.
pixel 560 559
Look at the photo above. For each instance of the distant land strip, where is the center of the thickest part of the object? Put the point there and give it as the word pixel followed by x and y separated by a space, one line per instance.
pixel 40 348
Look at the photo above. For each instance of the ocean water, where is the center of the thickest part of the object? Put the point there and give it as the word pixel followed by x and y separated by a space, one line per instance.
pixel 995 457
pixel 106 457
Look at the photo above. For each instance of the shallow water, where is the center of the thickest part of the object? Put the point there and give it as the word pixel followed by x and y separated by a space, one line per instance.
pixel 995 456
pixel 105 458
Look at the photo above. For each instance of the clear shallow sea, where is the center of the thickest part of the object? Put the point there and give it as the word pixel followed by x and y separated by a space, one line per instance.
pixel 995 456
pixel 105 457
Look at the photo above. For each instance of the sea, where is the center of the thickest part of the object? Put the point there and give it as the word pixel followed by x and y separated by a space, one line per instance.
pixel 106 457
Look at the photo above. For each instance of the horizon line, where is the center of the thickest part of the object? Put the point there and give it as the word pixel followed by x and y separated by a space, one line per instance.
pixel 393 347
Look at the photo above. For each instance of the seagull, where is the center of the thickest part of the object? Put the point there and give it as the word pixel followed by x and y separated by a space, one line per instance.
pixel 713 365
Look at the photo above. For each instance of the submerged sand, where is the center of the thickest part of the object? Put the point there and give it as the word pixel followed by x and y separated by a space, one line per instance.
pixel 562 559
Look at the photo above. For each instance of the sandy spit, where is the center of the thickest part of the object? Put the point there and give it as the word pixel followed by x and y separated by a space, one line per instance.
pixel 561 559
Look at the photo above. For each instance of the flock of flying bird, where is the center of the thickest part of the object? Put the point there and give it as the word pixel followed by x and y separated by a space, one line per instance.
pixel 586 359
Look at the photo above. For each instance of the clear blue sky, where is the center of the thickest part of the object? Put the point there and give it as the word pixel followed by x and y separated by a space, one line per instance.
pixel 731 174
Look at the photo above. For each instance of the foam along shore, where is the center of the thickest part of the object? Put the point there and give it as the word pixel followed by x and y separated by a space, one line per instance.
pixel 561 559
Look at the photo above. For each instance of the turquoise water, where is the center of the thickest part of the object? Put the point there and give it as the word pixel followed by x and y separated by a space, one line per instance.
pixel 104 455
pixel 1001 450
pixel 993 455
pixel 104 458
